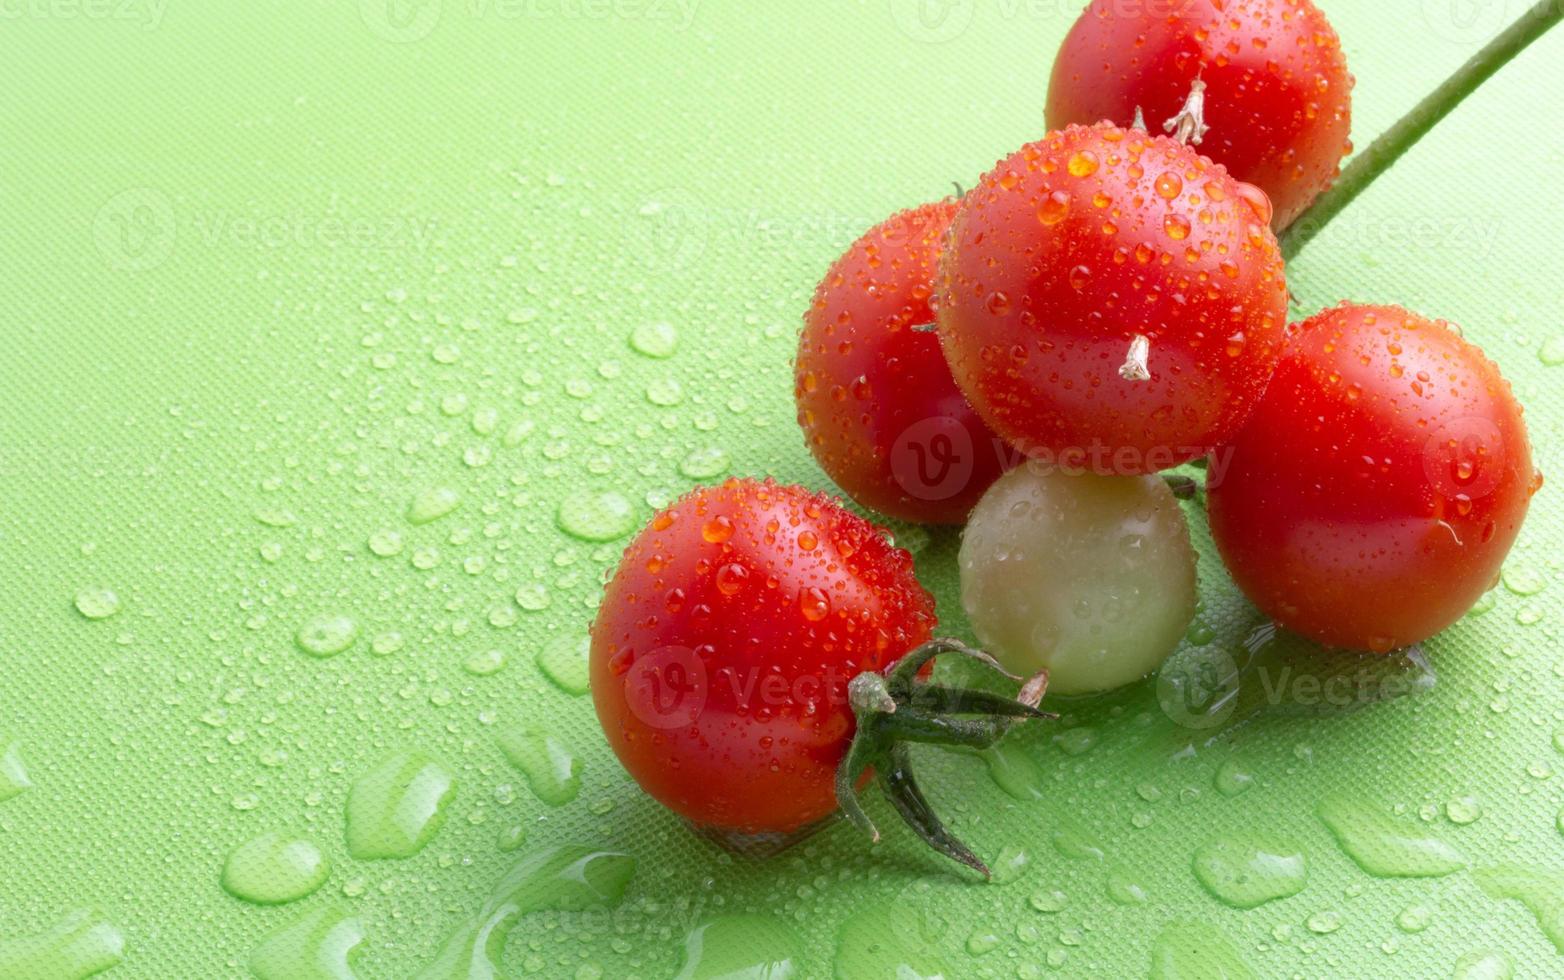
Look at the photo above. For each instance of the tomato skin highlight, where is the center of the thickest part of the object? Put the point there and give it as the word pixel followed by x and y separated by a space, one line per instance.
pixel 1071 248
pixel 878 407
pixel 725 641
pixel 1278 92
pixel 1380 483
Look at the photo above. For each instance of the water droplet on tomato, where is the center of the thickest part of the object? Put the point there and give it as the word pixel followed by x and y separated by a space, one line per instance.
pixel 1054 209
pixel 1083 164
pixel 814 603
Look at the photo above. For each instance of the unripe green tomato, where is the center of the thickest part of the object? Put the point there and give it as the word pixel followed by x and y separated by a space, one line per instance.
pixel 1091 578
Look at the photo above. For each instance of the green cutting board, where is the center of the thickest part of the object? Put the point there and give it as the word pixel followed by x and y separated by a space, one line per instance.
pixel 281 276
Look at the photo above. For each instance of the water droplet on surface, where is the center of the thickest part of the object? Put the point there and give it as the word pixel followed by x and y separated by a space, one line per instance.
pixel 886 944
pixel 1196 951
pixel 319 945
pixel 1049 900
pixel 1014 770
pixel 570 878
pixel 1523 580
pixel 1325 922
pixel 1463 810
pixel 553 771
pixel 1233 778
pixel 326 635
pixel 1542 892
pixel 1551 352
pixel 564 661
pixel 97 603
pixel 733 947
pixel 1246 871
pixel 386 543
pixel 432 504
pixel 1386 847
pixel 605 516
pixel 13 775
pixel 1073 843
pixel 533 597
pixel 658 340
pixel 273 869
pixel 704 464
pixel 80 945
pixel 1125 890
pixel 1484 964
pixel 397 807
pixel 484 663
pixel 1414 918
pixel 664 392
pixel 1077 741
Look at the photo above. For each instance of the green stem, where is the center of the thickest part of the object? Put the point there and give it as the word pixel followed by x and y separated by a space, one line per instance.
pixel 1398 139
pixel 895 709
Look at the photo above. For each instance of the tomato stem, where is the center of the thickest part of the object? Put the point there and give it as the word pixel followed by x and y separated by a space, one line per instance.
pixel 1398 139
pixel 1189 126
pixel 895 709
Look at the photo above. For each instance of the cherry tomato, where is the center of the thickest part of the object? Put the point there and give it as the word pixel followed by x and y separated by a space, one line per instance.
pixel 1111 300
pixel 1091 578
pixel 1278 96
pixel 1379 485
pixel 725 642
pixel 876 401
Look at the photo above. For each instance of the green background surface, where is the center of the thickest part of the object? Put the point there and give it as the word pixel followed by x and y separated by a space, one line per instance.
pixel 196 348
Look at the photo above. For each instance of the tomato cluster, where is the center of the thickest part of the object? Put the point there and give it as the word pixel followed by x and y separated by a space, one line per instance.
pixel 1108 302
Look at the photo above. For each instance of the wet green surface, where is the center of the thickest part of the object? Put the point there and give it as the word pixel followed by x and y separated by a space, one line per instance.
pixel 342 351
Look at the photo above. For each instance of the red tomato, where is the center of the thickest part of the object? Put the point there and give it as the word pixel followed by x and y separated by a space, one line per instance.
pixel 1380 483
pixel 724 644
pixel 1077 245
pixel 876 401
pixel 1278 96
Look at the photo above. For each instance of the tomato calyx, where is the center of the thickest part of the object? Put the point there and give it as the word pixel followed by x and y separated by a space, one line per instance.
pixel 1189 126
pixel 895 709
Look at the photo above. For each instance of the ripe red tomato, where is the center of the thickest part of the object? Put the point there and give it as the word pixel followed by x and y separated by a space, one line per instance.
pixel 1090 247
pixel 876 401
pixel 725 642
pixel 1278 96
pixel 1378 486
